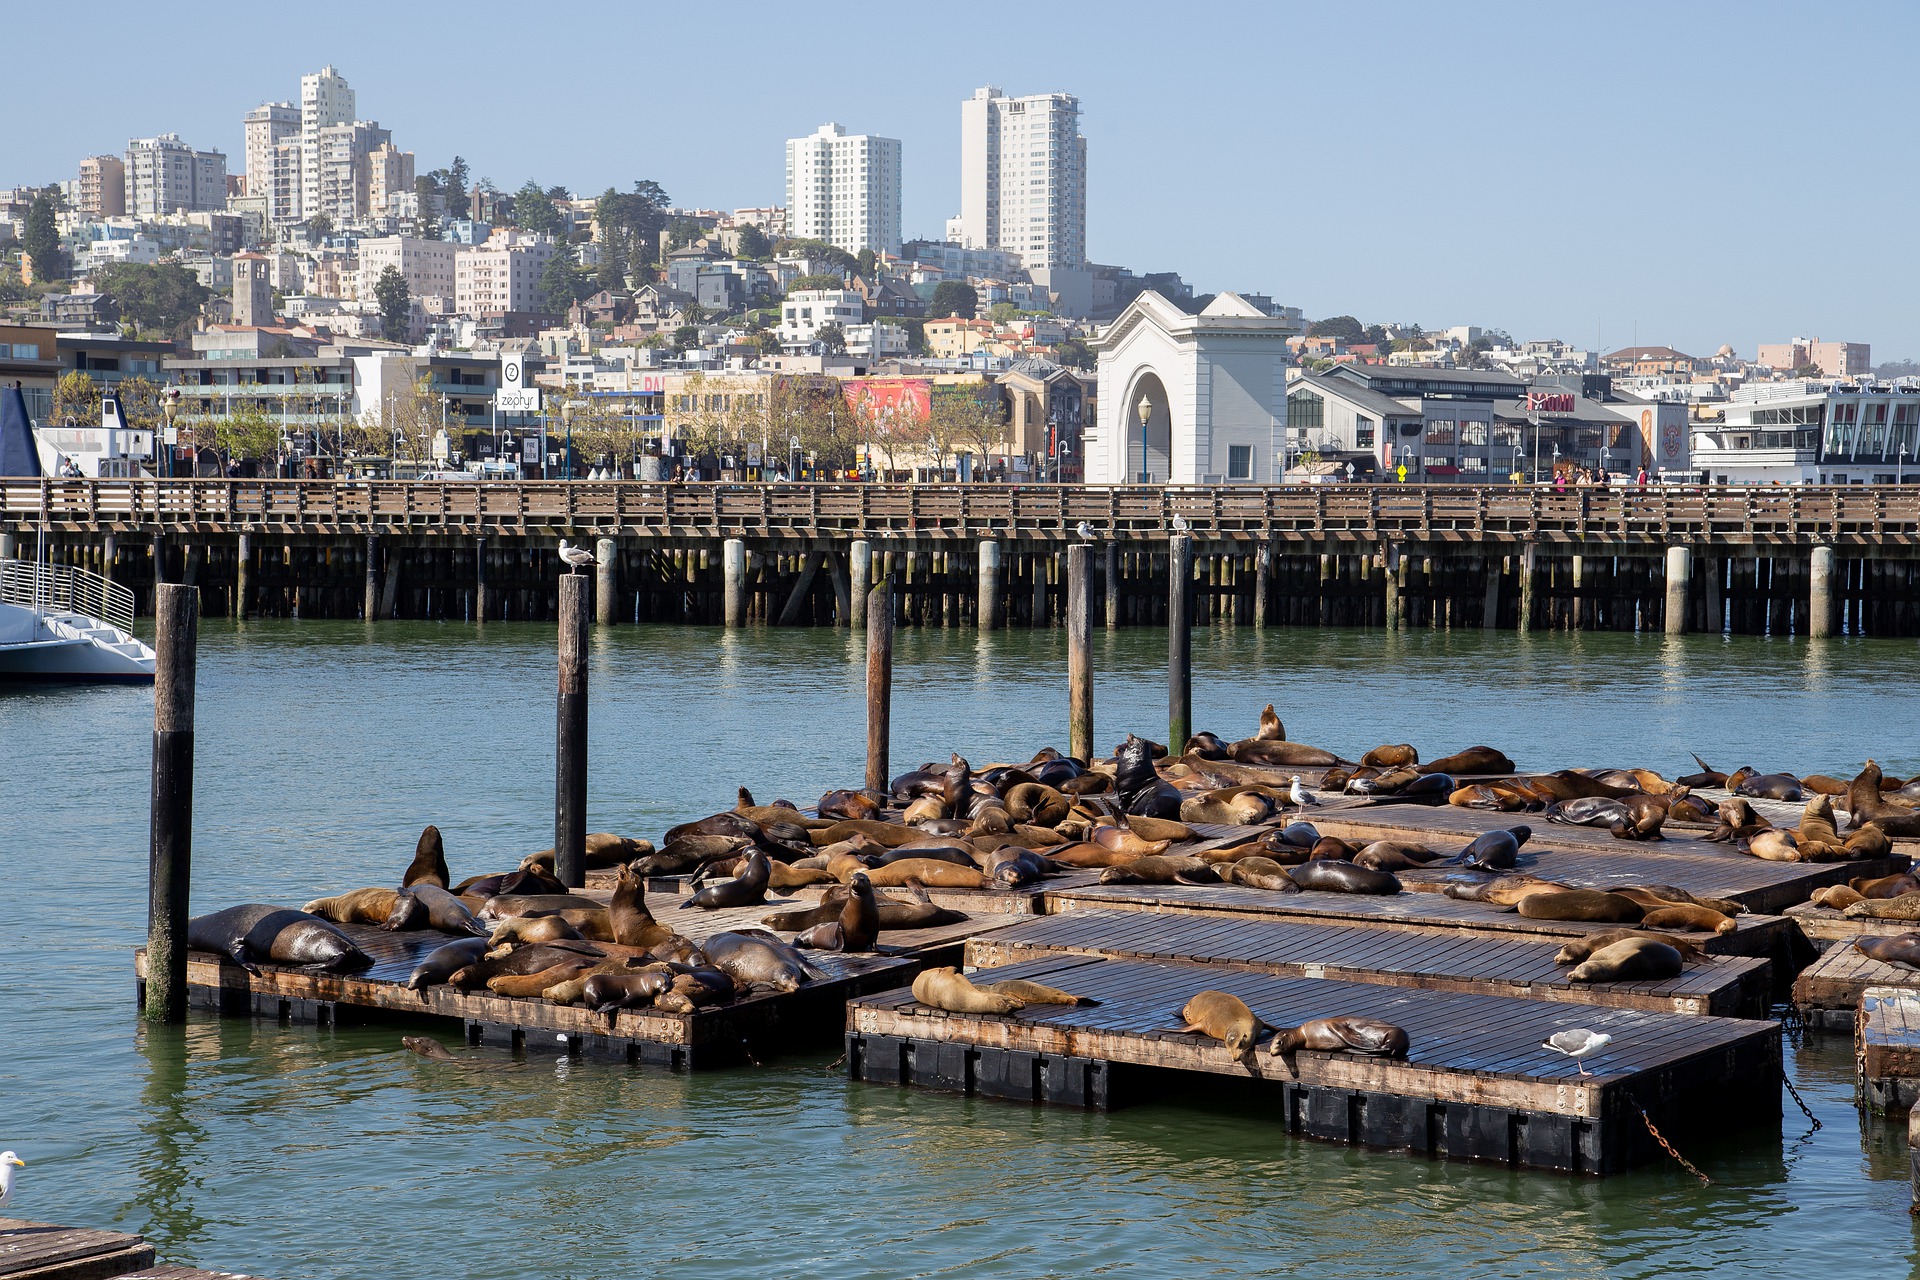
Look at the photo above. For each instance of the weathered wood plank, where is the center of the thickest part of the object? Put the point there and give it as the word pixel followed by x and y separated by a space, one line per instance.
pixel 44 1251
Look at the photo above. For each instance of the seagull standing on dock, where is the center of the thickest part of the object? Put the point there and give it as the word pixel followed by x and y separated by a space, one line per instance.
pixel 1085 531
pixel 1299 794
pixel 8 1163
pixel 1180 524
pixel 1576 1043
pixel 578 557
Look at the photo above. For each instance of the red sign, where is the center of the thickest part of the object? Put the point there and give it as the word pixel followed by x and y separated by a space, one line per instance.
pixel 1549 402
pixel 889 400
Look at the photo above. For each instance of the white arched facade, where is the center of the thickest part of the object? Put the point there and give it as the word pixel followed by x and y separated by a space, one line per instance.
pixel 1216 387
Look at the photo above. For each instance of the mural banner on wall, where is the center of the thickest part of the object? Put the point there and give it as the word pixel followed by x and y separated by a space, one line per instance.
pixel 889 399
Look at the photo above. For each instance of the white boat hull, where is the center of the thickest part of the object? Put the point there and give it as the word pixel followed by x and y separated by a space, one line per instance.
pixel 41 646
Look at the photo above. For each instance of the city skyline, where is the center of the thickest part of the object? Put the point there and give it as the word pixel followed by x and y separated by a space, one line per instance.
pixel 1600 182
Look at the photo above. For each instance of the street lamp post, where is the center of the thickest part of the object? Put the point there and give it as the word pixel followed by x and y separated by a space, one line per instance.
pixel 793 457
pixel 1534 418
pixel 1144 410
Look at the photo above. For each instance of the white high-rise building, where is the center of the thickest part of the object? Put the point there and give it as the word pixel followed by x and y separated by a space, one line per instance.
pixel 325 100
pixel 164 175
pixel 265 125
pixel 1023 177
pixel 844 189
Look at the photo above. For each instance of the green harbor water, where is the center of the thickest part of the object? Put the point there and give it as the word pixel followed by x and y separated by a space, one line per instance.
pixel 298 1154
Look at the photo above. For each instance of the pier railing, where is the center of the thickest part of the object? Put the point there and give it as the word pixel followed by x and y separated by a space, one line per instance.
pixel 1348 512
pixel 58 588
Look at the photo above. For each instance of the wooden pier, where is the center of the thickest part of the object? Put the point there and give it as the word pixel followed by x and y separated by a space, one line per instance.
pixel 1476 1085
pixel 1888 1055
pixel 1827 993
pixel 1426 959
pixel 43 1251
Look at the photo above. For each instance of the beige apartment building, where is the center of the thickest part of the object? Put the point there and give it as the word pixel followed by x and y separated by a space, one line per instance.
pixel 1832 359
pixel 426 265
pixel 103 187
pixel 501 275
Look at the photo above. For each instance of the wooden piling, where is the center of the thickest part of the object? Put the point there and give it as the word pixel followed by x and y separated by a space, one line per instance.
pixel 1676 617
pixel 372 608
pixel 570 737
pixel 1179 642
pixel 734 567
pixel 987 607
pixel 479 579
pixel 879 683
pixel 1079 652
pixel 860 582
pixel 1820 595
pixel 606 580
pixel 1111 554
pixel 170 848
pixel 243 578
pixel 159 565
pixel 1527 573
pixel 1262 572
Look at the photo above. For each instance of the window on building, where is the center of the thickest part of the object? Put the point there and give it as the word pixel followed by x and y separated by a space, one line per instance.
pixel 1473 433
pixel 1363 433
pixel 1441 431
pixel 1305 412
pixel 1239 462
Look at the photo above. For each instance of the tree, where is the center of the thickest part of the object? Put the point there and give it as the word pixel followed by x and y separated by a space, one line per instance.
pixel 818 250
pixel 682 232
pixel 142 401
pixel 319 226
pixel 41 239
pixel 953 298
pixel 562 283
pixel 632 221
pixel 865 261
pixel 686 337
pixel 815 282
pixel 961 418
pixel 1074 354
pixel 752 242
pixel 247 432
pixel 1343 328
pixel 916 332
pixel 156 298
pixel 390 292
pixel 428 187
pixel 832 338
pixel 533 209
pixel 75 396
pixel 455 188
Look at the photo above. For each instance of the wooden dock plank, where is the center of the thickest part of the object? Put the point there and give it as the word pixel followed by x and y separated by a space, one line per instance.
pixel 1889 1051
pixel 1432 959
pixel 1828 992
pixel 45 1251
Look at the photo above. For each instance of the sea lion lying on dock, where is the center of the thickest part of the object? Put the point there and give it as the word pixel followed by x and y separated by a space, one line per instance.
pixel 1258 873
pixel 1162 869
pixel 1738 822
pixel 444 961
pixel 359 906
pixel 256 933
pixel 1689 919
pixel 1867 804
pixel 1328 875
pixel 1034 993
pixel 1504 891
pixel 1494 850
pixel 428 906
pixel 1902 949
pixel 604 849
pixel 1394 855
pixel 747 888
pixel 1592 905
pixel 1629 960
pixel 760 960
pixel 1472 760
pixel 1580 948
pixel 948 989
pixel 1343 1035
pixel 1225 1018
pixel 1391 757
pixel 1904 907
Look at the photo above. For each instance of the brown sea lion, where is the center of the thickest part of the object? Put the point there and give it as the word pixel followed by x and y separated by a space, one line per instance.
pixel 1655 896
pixel 1737 822
pixel 782 878
pixel 886 833
pixel 606 992
pixel 1580 948
pixel 603 849
pixel 1886 886
pixel 1223 1017
pixel 1034 992
pixel 1090 856
pixel 1902 949
pixel 1264 751
pixel 747 888
pixel 1504 891
pixel 1394 855
pixel 1866 803
pixel 429 865
pixel 1343 1035
pixel 360 906
pixel 1259 873
pixel 1036 804
pixel 1472 760
pixel 1331 847
pixel 1904 907
pixel 533 984
pixel 428 906
pixel 628 916
pixel 1836 897
pixel 532 959
pixel 1824 784
pixel 700 989
pixel 1129 840
pixel 1869 842
pixel 1235 807
pixel 1630 959
pixel 948 989
pixel 859 805
pixel 525 929
pixel 1391 757
pixel 926 809
pixel 1329 875
pixel 928 871
pixel 1162 869
pixel 1591 905
pixel 1689 919
pixel 1773 845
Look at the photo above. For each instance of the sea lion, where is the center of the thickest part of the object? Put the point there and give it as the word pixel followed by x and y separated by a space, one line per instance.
pixel 1492 796
pixel 1587 811
pixel 1630 959
pixel 1835 897
pixel 1343 1035
pixel 1902 949
pixel 926 809
pixel 1394 855
pixel 526 880
pixel 1225 1018
pixel 1824 784
pixel 1770 786
pixel 1707 777
pixel 1773 845
pixel 1867 804
pixel 1655 896
pixel 1260 873
pixel 1904 907
pixel 860 917
pixel 1886 886
pixel 727 823
pixel 1580 948
pixel 255 933
pixel 948 989
pixel 747 888
pixel 507 906
pixel 1090 856
pixel 1643 821
pixel 1591 905
pixel 1391 757
pixel 864 805
pixel 1138 783
pixel 607 992
pixel 1407 788
pixel 690 852
pixel 886 833
pixel 526 929
pixel 528 985
pixel 1010 866
pixel 444 961
pixel 1737 822
pixel 1869 842
pixel 928 871
pixel 1331 847
pixel 1333 876
pixel 360 906
pixel 521 960
pixel 759 960
pixel 1472 760
pixel 1494 850
pixel 1271 729
pixel 1235 809
pixel 429 865
pixel 603 849
pixel 1504 891
pixel 1207 746
pixel 428 906
pixel 1689 919
pixel 1162 869
pixel 1034 993
pixel 1130 841
pixel 1266 751
pixel 1036 804
pixel 699 989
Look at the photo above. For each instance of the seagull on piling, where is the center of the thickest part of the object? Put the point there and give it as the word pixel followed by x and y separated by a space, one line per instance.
pixel 1085 531
pixel 8 1163
pixel 1576 1043
pixel 1180 524
pixel 1299 794
pixel 578 557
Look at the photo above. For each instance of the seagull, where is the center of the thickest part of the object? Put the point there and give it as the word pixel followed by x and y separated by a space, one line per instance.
pixel 8 1163
pixel 1299 794
pixel 1576 1043
pixel 1085 531
pixel 1180 524
pixel 578 557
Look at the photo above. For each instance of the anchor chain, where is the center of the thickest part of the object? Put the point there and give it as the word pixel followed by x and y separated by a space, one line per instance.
pixel 1669 1149
pixel 1802 1103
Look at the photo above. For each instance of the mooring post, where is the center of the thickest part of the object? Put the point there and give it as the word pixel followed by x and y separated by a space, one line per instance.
pixel 1112 597
pixel 879 683
pixel 159 562
pixel 170 848
pixel 988 606
pixel 1491 566
pixel 1526 587
pixel 606 580
pixel 1677 558
pixel 243 577
pixel 1262 570
pixel 1391 562
pixel 1080 651
pixel 570 738
pixel 109 552
pixel 372 610
pixel 1716 571
pixel 733 563
pixel 859 581
pixel 1041 562
pixel 479 579
pixel 1820 595
pixel 1179 642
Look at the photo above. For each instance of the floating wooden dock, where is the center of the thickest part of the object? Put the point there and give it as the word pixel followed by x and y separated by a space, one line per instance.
pixel 1889 1048
pixel 44 1251
pixel 754 1027
pixel 1826 928
pixel 1477 1084
pixel 1828 992
pixel 1424 958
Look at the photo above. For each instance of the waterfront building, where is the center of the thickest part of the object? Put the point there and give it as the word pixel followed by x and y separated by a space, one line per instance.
pixel 844 189
pixel 1805 432
pixel 1023 177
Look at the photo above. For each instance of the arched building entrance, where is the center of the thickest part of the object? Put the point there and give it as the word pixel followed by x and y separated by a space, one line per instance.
pixel 1149 421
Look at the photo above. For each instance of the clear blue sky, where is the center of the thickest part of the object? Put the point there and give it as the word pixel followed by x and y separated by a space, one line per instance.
pixel 1686 173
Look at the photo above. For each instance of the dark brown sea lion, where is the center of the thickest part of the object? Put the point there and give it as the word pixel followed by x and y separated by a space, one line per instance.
pixel 1223 1017
pixel 527 985
pixel 692 851
pixel 628 916
pixel 1738 822
pixel 361 906
pixel 1260 873
pixel 1504 891
pixel 1393 855
pixel 746 889
pixel 1207 746
pixel 1343 1035
pixel 428 906
pixel 444 961
pixel 860 917
pixel 1429 789
pixel 1278 752
pixel 759 960
pixel 1689 919
pixel 1869 842
pixel 1655 896
pixel 531 959
pixel 1391 757
pixel 1591 905
pixel 699 989
pixel 1866 804
pixel 1494 850
pixel 1472 760
pixel 1333 876
pixel 603 849
pixel 851 804
pixel 255 933
pixel 1886 886
pixel 1580 948
pixel 1629 960
pixel 1902 949
pixel 1707 777
pixel 429 865
pixel 1331 847
pixel 1824 784
pixel 606 992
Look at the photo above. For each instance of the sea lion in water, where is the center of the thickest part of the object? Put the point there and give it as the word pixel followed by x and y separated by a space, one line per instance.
pixel 360 906
pixel 255 933
pixel 1630 959
pixel 1344 1035
pixel 1034 993
pixel 427 906
pixel 1580 948
pixel 1225 1018
pixel 1329 875
pixel 429 865
pixel 948 989
pixel 1902 949
pixel 1472 760
pixel 444 961
pixel 1695 919
pixel 1591 905
pixel 747 888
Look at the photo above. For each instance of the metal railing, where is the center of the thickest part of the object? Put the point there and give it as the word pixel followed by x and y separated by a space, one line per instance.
pixel 1805 515
pixel 59 588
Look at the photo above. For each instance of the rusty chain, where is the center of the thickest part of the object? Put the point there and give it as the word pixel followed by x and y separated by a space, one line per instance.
pixel 1802 1103
pixel 1668 1148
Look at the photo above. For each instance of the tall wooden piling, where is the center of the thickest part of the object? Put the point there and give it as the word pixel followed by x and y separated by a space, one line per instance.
pixel 1262 572
pixel 879 683
pixel 170 845
pixel 570 737
pixel 1179 641
pixel 1110 553
pixel 859 581
pixel 243 578
pixel 606 580
pixel 1820 595
pixel 1080 651
pixel 734 570
pixel 1677 565
pixel 159 565
pixel 372 609
pixel 987 607
pixel 1527 572
pixel 479 579
pixel 1395 561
